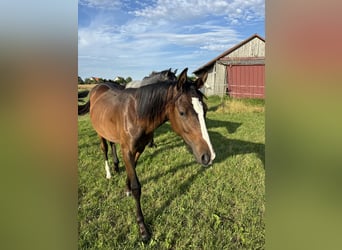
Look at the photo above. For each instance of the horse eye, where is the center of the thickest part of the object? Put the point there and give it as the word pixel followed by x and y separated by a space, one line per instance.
pixel 181 113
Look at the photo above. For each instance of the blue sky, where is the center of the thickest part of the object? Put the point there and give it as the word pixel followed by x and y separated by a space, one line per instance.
pixel 133 38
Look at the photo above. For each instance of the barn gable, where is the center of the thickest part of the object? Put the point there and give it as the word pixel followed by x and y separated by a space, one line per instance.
pixel 239 71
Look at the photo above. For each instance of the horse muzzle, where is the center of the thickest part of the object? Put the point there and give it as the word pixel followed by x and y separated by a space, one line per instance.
pixel 205 159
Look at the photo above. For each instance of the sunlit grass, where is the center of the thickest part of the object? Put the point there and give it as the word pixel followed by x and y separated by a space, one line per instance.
pixel 186 206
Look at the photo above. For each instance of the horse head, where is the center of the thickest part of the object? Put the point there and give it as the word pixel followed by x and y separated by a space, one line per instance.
pixel 187 117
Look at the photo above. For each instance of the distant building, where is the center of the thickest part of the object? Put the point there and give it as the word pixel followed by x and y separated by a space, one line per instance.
pixel 95 79
pixel 237 72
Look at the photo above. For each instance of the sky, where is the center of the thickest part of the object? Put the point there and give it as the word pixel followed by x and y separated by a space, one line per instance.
pixel 133 38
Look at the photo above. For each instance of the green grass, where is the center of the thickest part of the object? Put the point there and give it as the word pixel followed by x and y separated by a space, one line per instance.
pixel 186 206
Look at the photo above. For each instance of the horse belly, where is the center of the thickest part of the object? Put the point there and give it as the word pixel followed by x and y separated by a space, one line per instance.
pixel 105 122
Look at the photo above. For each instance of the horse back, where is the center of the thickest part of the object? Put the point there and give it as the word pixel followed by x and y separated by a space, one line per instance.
pixel 102 88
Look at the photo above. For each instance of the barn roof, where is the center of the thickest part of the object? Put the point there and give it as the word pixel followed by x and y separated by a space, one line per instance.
pixel 210 63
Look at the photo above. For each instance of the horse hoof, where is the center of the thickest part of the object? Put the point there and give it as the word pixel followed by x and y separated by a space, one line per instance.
pixel 145 237
pixel 152 145
pixel 116 169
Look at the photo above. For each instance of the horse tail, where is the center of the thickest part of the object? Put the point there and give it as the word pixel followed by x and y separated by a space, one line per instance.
pixel 84 109
pixel 83 94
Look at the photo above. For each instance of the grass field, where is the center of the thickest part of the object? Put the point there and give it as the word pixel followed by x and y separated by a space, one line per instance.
pixel 186 206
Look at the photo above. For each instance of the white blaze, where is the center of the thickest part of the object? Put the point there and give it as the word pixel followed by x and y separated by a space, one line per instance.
pixel 200 113
pixel 108 175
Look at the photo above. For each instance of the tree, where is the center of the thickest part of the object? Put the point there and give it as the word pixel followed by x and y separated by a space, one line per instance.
pixel 192 77
pixel 80 80
pixel 120 80
pixel 128 79
pixel 87 81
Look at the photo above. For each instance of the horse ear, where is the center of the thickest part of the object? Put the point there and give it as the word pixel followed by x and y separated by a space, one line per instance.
pixel 175 71
pixel 166 72
pixel 182 79
pixel 201 80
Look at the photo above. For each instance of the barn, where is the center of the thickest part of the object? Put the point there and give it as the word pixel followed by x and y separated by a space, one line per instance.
pixel 237 72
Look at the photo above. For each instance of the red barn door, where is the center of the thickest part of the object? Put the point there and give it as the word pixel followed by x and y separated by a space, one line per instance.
pixel 246 81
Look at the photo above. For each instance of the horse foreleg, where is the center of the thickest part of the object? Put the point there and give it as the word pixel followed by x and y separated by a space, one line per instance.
pixel 128 182
pixel 115 157
pixel 135 187
pixel 151 144
pixel 104 147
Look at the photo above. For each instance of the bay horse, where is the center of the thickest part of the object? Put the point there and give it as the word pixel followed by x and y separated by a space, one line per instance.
pixel 130 116
pixel 154 77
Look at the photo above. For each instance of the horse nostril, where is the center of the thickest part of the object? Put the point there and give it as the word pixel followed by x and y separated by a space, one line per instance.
pixel 205 159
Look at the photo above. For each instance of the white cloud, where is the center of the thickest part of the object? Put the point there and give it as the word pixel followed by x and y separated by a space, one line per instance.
pixel 233 10
pixel 170 33
pixel 121 52
pixel 213 40
pixel 137 37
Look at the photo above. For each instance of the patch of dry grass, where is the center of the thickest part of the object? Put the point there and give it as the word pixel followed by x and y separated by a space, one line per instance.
pixel 86 86
pixel 239 106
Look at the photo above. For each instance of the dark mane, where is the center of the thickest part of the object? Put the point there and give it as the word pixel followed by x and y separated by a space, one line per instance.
pixel 152 99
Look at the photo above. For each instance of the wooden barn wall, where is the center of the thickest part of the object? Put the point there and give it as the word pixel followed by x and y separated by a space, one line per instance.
pixel 210 82
pixel 254 48
pixel 220 80
pixel 216 83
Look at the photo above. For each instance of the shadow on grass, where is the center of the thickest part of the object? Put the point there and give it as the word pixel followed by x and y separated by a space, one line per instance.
pixel 214 108
pixel 224 148
pixel 230 126
pixel 177 190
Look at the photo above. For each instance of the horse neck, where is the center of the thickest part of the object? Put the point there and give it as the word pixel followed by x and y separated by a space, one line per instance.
pixel 153 110
pixel 152 125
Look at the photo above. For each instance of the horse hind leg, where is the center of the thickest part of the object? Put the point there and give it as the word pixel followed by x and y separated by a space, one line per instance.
pixel 104 147
pixel 128 187
pixel 115 157
pixel 151 144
